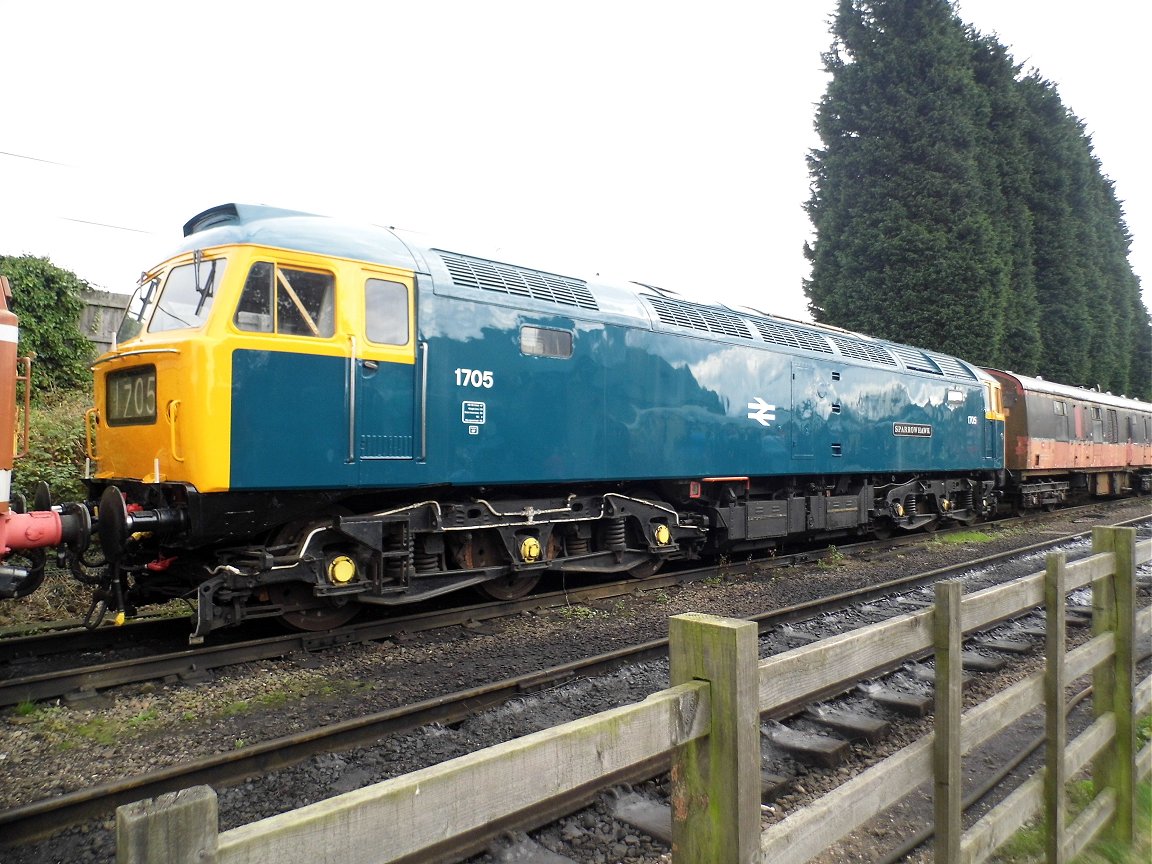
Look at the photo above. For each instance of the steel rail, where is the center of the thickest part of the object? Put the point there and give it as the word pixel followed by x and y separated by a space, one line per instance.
pixel 193 662
pixel 70 636
pixel 37 819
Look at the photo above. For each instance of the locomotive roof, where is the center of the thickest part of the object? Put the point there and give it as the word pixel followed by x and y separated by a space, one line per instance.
pixel 1083 394
pixel 633 303
pixel 294 229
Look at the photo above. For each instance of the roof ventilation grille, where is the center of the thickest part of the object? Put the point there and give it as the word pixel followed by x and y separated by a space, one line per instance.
pixel 862 350
pixel 485 275
pixel 698 317
pixel 793 337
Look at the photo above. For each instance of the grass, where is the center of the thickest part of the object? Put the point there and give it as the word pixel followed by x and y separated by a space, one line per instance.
pixel 1027 845
pixel 66 729
pixel 290 692
pixel 832 558
pixel 60 724
pixel 960 538
pixel 574 613
pixel 62 597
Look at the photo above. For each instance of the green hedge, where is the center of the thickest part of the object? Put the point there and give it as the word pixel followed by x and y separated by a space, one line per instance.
pixel 56 446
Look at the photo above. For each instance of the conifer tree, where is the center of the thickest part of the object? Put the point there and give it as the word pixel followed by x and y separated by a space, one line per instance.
pixel 906 248
pixel 959 206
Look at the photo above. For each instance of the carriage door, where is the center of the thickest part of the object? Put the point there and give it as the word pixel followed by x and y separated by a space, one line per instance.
pixel 383 374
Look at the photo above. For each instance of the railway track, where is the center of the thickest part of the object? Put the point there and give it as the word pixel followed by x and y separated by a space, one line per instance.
pixel 149 639
pixel 38 818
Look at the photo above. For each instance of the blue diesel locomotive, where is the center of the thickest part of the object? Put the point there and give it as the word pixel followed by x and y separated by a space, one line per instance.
pixel 302 416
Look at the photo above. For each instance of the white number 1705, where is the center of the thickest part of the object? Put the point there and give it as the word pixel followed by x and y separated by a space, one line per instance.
pixel 473 378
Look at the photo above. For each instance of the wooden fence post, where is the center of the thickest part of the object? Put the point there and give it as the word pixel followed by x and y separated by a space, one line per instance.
pixel 948 792
pixel 1055 706
pixel 173 828
pixel 1115 607
pixel 716 779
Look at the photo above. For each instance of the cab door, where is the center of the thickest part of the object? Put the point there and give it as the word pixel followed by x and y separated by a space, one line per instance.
pixel 383 379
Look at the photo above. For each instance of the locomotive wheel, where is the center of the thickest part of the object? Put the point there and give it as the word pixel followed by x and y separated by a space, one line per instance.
pixel 646 570
pixel 320 615
pixel 509 587
pixel 485 549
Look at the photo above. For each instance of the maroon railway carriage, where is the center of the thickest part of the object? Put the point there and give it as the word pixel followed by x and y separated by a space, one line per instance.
pixel 1062 443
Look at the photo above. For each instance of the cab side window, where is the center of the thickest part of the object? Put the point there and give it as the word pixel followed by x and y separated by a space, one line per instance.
pixel 282 300
pixel 386 312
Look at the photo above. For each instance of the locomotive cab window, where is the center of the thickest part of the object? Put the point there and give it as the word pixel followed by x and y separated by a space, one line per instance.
pixel 545 342
pixel 386 312
pixel 182 302
pixel 187 295
pixel 286 301
pixel 139 308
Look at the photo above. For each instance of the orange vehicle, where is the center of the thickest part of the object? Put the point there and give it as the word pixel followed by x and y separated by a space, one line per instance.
pixel 25 536
pixel 1064 443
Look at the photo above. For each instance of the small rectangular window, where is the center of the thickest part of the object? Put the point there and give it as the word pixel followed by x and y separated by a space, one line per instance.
pixel 386 312
pixel 1061 408
pixel 545 342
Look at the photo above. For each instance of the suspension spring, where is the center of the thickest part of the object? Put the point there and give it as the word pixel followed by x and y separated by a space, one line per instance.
pixel 616 535
pixel 396 567
pixel 425 563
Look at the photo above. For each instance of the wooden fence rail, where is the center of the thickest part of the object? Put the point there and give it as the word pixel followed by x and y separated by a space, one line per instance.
pixel 709 722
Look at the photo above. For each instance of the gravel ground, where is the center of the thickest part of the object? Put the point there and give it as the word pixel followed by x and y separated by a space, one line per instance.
pixel 63 747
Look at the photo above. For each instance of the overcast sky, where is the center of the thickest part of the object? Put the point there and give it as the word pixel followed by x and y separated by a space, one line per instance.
pixel 662 142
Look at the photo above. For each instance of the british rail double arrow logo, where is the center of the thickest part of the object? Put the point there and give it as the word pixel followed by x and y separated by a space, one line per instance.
pixel 761 411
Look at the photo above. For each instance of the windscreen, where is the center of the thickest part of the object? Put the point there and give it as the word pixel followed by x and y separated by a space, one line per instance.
pixel 179 300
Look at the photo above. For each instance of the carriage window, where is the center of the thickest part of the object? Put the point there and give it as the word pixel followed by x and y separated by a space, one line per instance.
pixel 545 342
pixel 282 300
pixel 386 308
pixel 1060 408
